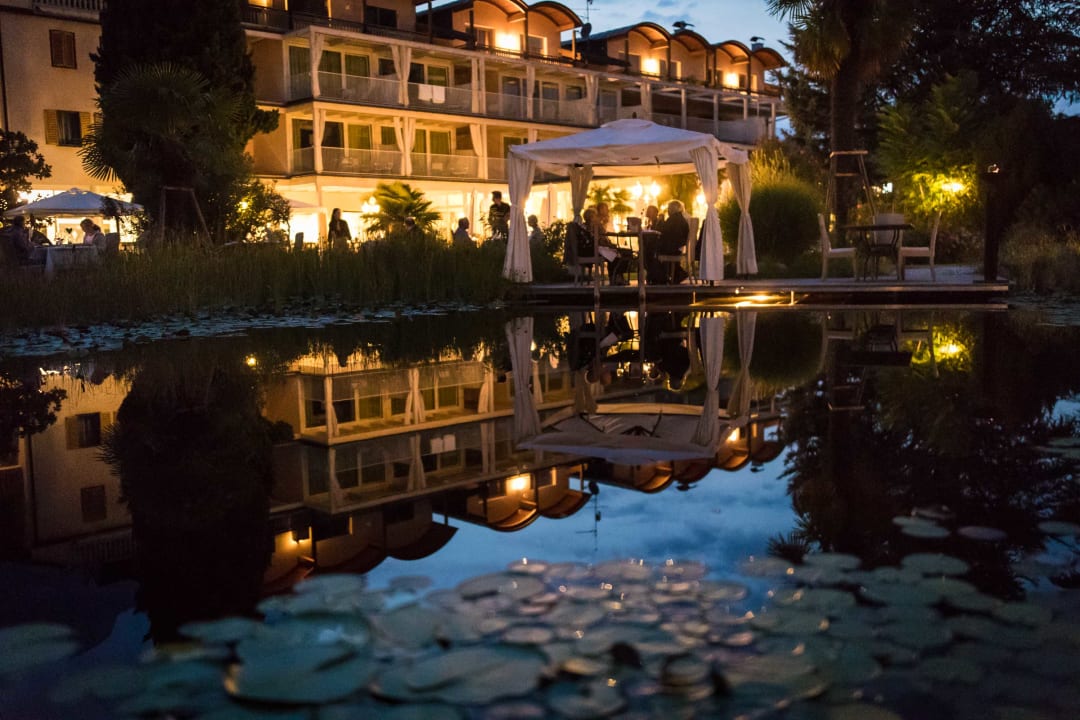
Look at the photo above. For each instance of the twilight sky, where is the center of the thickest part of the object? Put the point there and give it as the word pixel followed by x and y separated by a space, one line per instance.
pixel 717 20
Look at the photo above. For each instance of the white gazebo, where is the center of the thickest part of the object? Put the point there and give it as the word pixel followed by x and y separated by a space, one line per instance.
pixel 626 148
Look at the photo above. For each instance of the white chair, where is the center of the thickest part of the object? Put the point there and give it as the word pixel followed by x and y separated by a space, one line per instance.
pixel 828 252
pixel 904 253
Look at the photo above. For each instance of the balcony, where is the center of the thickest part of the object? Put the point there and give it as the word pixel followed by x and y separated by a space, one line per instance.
pixel 567 112
pixel 444 166
pixel 353 161
pixel 380 91
pixel 439 98
pixel 303 160
pixel 75 7
pixel 506 105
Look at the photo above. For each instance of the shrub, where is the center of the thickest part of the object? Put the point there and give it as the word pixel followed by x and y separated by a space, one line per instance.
pixel 785 219
pixel 1040 261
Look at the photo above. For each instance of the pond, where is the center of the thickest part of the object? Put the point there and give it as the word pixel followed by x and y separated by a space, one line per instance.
pixel 741 512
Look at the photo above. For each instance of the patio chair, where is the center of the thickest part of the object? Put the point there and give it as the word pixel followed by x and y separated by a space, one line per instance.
pixel 582 259
pixel 927 252
pixel 685 259
pixel 828 252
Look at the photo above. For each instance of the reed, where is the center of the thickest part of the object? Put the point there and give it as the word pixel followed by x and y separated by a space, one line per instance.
pixel 179 279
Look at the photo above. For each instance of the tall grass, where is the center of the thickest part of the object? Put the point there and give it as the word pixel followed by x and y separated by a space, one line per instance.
pixel 1042 261
pixel 179 279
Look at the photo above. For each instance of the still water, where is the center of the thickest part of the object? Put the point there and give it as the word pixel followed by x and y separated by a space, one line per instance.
pixel 754 513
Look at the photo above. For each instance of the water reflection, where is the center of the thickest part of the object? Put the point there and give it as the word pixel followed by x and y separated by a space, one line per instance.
pixel 392 437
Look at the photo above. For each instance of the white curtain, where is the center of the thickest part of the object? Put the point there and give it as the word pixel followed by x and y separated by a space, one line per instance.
pixel 405 133
pixel 712 244
pixel 519 335
pixel 530 82
pixel 712 346
pixel 417 478
pixel 518 264
pixel 474 88
pixel 414 402
pixel 580 177
pixel 478 134
pixel 592 92
pixel 538 392
pixel 746 255
pixel 317 40
pixel 402 60
pixel 742 393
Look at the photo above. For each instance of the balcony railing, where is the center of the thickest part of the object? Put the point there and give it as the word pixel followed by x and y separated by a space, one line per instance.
pixel 300 86
pixel 303 160
pixel 444 166
pixel 570 112
pixel 359 88
pixel 506 105
pixel 79 5
pixel 437 97
pixel 350 161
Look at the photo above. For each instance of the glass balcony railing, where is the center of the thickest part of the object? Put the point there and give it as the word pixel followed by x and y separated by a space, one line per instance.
pixel 303 160
pixel 438 98
pixel 444 166
pixel 361 162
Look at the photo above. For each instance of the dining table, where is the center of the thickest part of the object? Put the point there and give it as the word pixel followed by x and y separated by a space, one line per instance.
pixel 874 241
pixel 68 257
pixel 633 240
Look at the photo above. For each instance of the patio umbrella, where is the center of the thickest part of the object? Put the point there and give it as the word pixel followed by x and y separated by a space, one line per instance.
pixel 75 202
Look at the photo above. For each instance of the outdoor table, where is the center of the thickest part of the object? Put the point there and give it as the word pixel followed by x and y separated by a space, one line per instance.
pixel 869 246
pixel 66 257
pixel 634 239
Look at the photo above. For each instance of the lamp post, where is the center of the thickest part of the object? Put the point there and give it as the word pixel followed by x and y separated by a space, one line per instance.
pixel 993 230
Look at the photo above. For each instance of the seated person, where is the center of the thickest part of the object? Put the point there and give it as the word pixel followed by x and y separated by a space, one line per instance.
pixel 674 232
pixel 461 236
pixel 619 260
pixel 19 246
pixel 92 234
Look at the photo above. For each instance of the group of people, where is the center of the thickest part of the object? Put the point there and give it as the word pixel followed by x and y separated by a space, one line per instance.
pixel 589 237
pixel 498 221
pixel 26 244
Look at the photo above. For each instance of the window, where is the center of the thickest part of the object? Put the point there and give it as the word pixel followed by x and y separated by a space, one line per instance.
pixel 66 127
pixel 381 17
pixel 536 45
pixel 429 74
pixel 575 92
pixel 333 135
pixel 62 48
pixel 357 65
pixel 387 136
pixel 360 137
pixel 83 431
pixel 509 142
pixel 386 67
pixel 303 133
pixel 483 37
pixel 93 503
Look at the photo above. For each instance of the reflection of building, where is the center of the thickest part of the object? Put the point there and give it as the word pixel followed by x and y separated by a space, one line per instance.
pixel 370 91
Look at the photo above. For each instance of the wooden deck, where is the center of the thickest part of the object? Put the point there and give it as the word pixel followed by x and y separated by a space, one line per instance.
pixel 955 285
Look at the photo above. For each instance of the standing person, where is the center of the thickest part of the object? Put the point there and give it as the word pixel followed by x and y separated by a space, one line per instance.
pixel 499 217
pixel 92 234
pixel 461 236
pixel 338 236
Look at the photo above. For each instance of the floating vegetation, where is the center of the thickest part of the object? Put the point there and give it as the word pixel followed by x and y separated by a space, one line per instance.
pixel 564 640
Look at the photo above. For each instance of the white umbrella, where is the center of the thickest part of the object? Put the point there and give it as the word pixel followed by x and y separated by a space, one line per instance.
pixel 75 202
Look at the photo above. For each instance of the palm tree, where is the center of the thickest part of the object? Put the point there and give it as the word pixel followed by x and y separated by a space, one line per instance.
pixel 397 201
pixel 618 201
pixel 845 43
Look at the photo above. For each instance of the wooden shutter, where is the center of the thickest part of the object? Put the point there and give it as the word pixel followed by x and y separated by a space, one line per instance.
pixel 52 128
pixel 86 122
pixel 71 430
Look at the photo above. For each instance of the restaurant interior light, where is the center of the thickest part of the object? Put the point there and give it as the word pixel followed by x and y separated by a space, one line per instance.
pixel 518 483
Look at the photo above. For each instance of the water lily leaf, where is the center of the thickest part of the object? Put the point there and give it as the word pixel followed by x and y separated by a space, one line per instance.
pixel 852 665
pixel 982 534
pixel 1050 663
pixel 992 633
pixel 1059 528
pixel 513 585
pixel 514 710
pixel 584 666
pixel 590 593
pixel 1023 613
pixel 950 670
pixel 227 630
pixel 766 567
pixel 517 673
pixel 982 653
pixel 232 711
pixel 972 602
pixel 410 583
pixel 860 711
pixel 448 667
pixel 324 684
pixel 682 670
pixel 946 587
pixel 575 616
pixel 887 574
pixel 528 635
pixel 918 636
pixel 896 594
pixel 893 654
pixel 682 570
pixel 582 702
pixel 332 584
pixel 33 644
pixel 411 626
pixel 910 520
pixel 926 531
pixel 823 575
pixel 934 564
pixel 107 682
pixel 836 561
pixel 722 591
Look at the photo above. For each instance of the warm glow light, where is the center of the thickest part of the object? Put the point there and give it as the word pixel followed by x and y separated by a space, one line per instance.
pixel 734 436
pixel 370 207
pixel 650 66
pixel 244 205
pixel 251 361
pixel 637 191
pixel 953 186
pixel 507 41
pixel 518 483
pixel 654 190
pixel 949 350
pixel 731 80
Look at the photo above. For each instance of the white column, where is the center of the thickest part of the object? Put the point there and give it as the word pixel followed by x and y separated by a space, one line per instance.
pixel 530 81
pixel 319 117
pixel 682 109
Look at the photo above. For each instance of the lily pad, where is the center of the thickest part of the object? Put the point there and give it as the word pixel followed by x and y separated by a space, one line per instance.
pixel 1059 528
pixel 766 567
pixel 227 630
pixel 1021 613
pixel 896 594
pixel 934 564
pixel 32 644
pixel 918 636
pixel 950 670
pixel 513 585
pixel 926 531
pixel 836 561
pixel 273 683
pixel 582 702
pixel 860 711
pixel 411 626
pixel 722 591
pixel 528 635
pixel 982 534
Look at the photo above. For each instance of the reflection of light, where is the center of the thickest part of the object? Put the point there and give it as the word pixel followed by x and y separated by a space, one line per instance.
pixel 731 80
pixel 300 535
pixel 518 483
pixel 507 41
pixel 734 436
pixel 251 361
pixel 650 66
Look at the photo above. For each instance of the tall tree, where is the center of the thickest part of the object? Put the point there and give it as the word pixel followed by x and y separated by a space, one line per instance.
pixel 198 49
pixel 845 43
pixel 19 161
